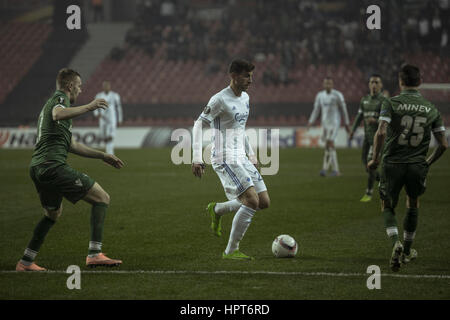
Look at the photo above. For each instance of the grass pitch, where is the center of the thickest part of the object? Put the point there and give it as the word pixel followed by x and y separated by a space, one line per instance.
pixel 157 225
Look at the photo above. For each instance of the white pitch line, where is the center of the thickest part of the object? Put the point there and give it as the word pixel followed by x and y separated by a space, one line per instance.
pixel 194 272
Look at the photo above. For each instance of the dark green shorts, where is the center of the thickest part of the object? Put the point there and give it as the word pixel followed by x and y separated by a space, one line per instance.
pixel 395 176
pixel 54 181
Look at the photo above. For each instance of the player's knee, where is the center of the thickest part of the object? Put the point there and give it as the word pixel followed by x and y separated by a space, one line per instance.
pixel 105 198
pixel 53 214
pixel 412 203
pixel 264 203
pixel 386 204
pixel 251 201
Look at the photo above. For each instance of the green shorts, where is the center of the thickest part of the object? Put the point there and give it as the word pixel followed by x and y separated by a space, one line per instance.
pixel 395 176
pixel 55 180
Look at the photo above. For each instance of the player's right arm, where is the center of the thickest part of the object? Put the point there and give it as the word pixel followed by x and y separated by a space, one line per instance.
pixel 60 112
pixel 198 167
pixel 440 149
pixel 358 119
pixel 211 111
pixel 439 134
pixel 315 112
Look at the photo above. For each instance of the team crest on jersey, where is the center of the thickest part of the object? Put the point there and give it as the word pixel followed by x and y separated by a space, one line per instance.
pixel 207 110
pixel 61 100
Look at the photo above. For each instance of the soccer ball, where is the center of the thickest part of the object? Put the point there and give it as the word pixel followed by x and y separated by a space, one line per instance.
pixel 284 246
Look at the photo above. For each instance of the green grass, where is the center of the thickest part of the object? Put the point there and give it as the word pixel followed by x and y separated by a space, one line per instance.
pixel 156 221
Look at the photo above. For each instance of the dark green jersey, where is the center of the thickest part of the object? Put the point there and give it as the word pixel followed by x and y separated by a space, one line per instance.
pixel 411 119
pixel 369 107
pixel 53 137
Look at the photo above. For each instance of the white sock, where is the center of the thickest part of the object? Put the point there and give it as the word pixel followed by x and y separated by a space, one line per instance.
pixel 110 147
pixel 334 160
pixel 241 221
pixel 326 161
pixel 222 208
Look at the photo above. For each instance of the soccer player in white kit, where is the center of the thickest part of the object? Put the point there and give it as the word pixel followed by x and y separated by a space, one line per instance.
pixel 227 112
pixel 330 103
pixel 109 118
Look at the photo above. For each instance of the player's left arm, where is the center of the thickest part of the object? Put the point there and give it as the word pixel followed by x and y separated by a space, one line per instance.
pixel 250 153
pixel 82 150
pixel 119 108
pixel 343 106
pixel 378 142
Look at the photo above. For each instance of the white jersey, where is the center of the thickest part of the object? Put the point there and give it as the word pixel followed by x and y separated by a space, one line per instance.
pixel 113 113
pixel 228 114
pixel 330 105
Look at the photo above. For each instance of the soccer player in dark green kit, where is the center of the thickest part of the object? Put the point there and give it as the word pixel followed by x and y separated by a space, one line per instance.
pixel 55 179
pixel 406 123
pixel 369 111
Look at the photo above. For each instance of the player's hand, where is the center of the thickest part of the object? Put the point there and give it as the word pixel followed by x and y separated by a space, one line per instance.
pixel 372 165
pixel 97 104
pixel 254 160
pixel 371 120
pixel 113 161
pixel 350 137
pixel 198 169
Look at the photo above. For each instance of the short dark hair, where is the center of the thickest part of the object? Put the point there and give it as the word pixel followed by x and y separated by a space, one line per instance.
pixel 410 75
pixel 240 65
pixel 375 75
pixel 65 76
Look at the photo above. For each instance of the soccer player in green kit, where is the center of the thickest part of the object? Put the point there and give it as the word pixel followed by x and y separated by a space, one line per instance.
pixel 406 123
pixel 55 179
pixel 369 111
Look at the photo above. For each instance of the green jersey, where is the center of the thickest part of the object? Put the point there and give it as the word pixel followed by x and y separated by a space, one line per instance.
pixel 53 137
pixel 411 120
pixel 369 107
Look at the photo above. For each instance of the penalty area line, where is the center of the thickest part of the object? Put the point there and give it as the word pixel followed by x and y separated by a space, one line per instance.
pixel 236 272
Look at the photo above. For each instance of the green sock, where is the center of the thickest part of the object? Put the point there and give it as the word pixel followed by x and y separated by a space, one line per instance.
pixel 409 228
pixel 41 230
pixel 371 180
pixel 98 214
pixel 391 224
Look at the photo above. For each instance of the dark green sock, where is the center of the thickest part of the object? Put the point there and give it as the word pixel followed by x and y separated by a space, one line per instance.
pixel 390 224
pixel 371 180
pixel 41 230
pixel 98 213
pixel 409 227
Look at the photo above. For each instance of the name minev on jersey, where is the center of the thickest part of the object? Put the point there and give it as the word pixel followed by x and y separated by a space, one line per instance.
pixel 227 115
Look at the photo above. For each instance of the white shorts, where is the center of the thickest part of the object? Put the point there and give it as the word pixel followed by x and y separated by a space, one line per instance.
pixel 107 130
pixel 238 177
pixel 329 133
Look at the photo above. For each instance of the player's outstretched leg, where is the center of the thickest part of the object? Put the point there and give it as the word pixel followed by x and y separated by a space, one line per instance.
pixel 39 234
pixel 100 201
pixel 217 210
pixel 216 220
